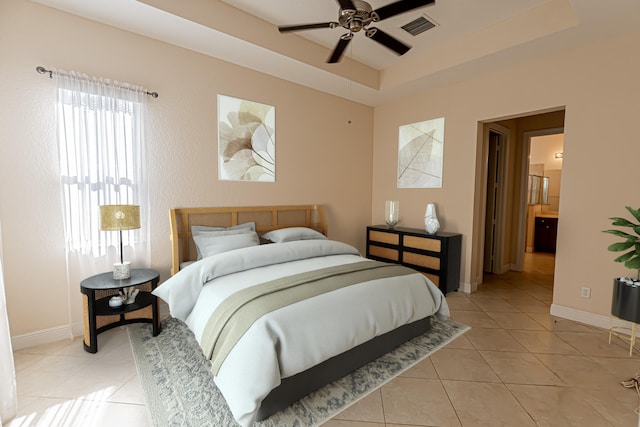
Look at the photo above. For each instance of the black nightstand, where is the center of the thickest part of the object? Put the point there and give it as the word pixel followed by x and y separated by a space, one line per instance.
pixel 100 317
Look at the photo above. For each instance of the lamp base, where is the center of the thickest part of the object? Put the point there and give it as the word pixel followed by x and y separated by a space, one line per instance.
pixel 121 271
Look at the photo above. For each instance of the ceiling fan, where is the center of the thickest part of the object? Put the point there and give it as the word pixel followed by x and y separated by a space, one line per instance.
pixel 356 15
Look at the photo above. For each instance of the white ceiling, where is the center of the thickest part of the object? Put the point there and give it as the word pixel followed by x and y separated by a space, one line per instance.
pixel 472 37
pixel 455 18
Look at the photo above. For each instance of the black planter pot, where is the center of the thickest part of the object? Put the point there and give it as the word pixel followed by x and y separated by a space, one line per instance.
pixel 626 301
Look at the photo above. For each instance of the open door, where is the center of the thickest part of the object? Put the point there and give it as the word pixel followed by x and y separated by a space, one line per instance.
pixel 496 141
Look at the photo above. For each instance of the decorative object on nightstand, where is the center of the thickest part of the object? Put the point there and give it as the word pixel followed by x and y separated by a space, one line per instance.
pixel 625 303
pixel 119 218
pixel 128 295
pixel 105 307
pixel 391 212
pixel 431 223
pixel 115 301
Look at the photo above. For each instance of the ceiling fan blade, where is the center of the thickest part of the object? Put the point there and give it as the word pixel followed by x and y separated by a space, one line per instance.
pixel 400 6
pixel 387 41
pixel 346 5
pixel 339 50
pixel 287 28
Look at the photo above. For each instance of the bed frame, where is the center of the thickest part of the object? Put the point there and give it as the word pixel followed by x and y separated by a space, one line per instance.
pixel 269 218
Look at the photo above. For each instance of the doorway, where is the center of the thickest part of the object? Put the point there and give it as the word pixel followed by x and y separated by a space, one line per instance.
pixel 543 152
pixel 502 188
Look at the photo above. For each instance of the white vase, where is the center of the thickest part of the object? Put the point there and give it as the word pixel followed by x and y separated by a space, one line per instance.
pixel 431 222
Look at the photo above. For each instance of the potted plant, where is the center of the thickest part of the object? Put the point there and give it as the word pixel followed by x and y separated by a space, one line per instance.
pixel 626 290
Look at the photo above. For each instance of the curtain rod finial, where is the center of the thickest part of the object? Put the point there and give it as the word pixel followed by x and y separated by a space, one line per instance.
pixel 40 69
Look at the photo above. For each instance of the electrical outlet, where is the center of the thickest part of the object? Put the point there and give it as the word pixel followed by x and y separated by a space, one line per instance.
pixel 585 293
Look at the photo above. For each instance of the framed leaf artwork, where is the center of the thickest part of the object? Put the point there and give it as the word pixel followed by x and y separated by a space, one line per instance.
pixel 246 140
pixel 420 154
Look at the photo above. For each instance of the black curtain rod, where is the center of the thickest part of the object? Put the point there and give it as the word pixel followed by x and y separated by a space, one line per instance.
pixel 40 69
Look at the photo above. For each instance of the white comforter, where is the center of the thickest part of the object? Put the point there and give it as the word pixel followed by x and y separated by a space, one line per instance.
pixel 299 336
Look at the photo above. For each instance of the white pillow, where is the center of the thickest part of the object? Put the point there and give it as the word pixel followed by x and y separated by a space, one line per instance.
pixel 216 242
pixel 293 233
pixel 197 230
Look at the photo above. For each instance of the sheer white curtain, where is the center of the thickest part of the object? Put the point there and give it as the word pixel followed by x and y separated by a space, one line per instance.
pixel 8 395
pixel 102 161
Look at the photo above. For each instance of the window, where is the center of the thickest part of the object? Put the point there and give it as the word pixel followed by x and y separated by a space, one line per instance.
pixel 101 154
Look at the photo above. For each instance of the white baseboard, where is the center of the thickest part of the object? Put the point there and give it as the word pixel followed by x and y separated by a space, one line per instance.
pixel 467 288
pixel 46 336
pixel 592 319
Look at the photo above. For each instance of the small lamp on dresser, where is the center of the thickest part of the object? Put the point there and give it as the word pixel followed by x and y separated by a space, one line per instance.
pixel 119 218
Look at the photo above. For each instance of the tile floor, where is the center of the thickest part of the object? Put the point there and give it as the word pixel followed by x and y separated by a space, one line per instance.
pixel 517 366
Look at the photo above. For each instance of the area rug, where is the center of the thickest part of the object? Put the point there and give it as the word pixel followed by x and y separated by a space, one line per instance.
pixel 180 391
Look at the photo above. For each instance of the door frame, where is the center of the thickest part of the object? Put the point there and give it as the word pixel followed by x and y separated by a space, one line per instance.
pixel 481 200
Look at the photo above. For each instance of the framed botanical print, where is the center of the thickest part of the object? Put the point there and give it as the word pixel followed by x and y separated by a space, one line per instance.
pixel 420 154
pixel 246 140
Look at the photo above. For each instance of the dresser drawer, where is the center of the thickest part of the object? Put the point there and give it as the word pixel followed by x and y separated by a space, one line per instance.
pixel 386 253
pixel 421 260
pixel 424 243
pixel 435 279
pixel 382 237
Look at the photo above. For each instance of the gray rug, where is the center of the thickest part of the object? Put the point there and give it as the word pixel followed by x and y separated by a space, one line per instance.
pixel 180 391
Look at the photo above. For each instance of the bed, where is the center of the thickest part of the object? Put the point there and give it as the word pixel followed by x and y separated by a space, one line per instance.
pixel 257 302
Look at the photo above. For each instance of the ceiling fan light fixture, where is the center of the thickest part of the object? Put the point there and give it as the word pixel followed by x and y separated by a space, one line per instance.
pixel 355 26
pixel 356 15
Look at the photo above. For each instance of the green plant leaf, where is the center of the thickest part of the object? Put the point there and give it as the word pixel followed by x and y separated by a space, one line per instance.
pixel 621 222
pixel 634 212
pixel 626 257
pixel 620 233
pixel 633 263
pixel 621 246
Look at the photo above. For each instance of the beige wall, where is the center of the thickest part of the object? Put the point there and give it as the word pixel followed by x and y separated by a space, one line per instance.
pixel 320 157
pixel 599 87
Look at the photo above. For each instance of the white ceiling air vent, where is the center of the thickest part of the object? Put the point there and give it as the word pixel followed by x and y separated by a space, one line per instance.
pixel 418 26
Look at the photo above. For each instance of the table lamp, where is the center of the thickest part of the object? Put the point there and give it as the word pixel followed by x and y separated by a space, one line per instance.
pixel 118 218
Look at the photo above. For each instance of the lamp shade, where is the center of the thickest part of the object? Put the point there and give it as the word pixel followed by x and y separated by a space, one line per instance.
pixel 119 217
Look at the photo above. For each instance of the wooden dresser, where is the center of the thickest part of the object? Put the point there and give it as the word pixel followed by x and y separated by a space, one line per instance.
pixel 437 256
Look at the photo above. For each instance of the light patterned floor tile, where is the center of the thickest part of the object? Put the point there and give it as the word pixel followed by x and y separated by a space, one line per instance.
pixel 368 409
pixel 344 423
pixel 463 303
pixel 480 404
pixel 542 342
pixel 474 319
pixel 595 344
pixel 579 371
pixel 493 339
pixel 520 368
pixel 558 406
pixel 515 321
pixel 418 402
pixel 462 365
pixel 422 369
pixel 461 342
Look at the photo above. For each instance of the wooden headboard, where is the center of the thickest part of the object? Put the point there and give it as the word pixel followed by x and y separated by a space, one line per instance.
pixel 267 218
